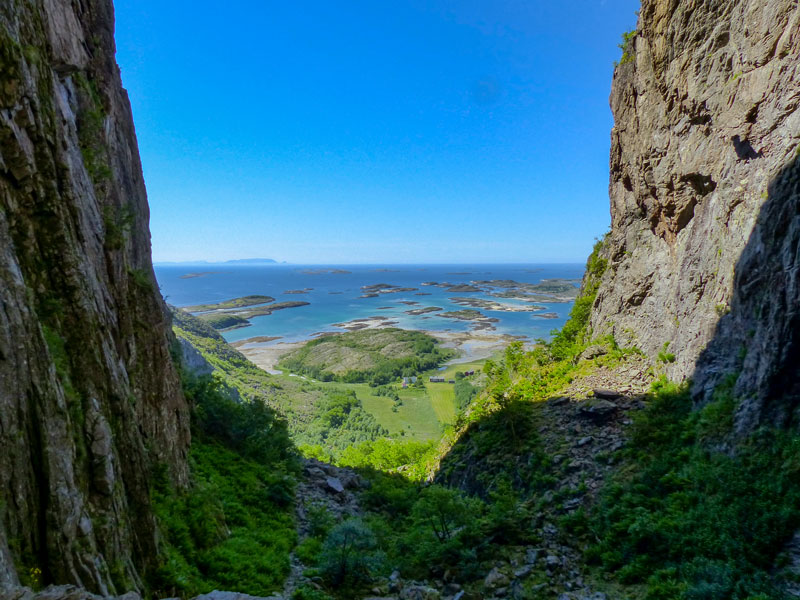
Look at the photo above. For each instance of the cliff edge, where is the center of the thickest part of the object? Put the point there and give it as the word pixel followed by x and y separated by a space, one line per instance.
pixel 90 403
pixel 704 193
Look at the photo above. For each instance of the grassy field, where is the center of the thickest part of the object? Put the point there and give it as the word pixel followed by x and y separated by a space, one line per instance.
pixel 423 412
pixel 442 396
pixel 415 417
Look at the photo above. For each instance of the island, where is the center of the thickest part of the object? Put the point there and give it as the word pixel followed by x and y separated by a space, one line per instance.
pixel 234 313
pixel 421 311
pixel 496 306
pixel 325 272
pixel 200 274
pixel 233 303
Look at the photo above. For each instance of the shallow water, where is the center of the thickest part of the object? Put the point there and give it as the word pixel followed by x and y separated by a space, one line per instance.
pixel 334 297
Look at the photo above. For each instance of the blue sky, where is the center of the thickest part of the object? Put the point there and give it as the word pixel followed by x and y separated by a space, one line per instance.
pixel 370 131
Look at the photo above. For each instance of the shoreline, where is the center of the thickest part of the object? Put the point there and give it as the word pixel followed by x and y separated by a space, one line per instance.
pixel 471 346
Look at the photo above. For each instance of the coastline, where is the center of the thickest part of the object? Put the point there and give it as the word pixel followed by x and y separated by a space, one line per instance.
pixel 470 345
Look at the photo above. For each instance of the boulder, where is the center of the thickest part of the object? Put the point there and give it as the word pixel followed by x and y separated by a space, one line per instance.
pixel 419 592
pixel 598 412
pixel 496 579
pixel 333 484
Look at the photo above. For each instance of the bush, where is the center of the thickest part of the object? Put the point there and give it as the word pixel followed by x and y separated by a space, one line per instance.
pixel 349 554
pixel 252 428
pixel 689 521
pixel 234 527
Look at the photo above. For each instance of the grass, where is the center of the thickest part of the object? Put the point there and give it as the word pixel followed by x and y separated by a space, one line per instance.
pixel 415 417
pixel 423 412
pixel 443 400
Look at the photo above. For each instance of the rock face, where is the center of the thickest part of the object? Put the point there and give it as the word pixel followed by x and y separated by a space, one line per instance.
pixel 703 189
pixel 90 402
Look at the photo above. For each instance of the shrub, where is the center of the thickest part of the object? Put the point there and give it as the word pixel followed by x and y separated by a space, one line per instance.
pixel 627 47
pixel 349 554
pixel 689 521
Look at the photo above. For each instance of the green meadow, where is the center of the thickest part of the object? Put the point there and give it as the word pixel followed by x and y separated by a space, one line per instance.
pixel 422 413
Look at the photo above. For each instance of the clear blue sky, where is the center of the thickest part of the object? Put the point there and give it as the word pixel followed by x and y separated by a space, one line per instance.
pixel 371 131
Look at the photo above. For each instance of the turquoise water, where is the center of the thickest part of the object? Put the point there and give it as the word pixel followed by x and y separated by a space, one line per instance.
pixel 334 296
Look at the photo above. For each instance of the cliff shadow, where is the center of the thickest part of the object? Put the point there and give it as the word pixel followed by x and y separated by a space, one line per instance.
pixel 758 340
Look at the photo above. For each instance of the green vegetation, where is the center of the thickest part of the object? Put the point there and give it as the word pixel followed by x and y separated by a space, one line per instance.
pixel 423 530
pixel 233 303
pixel 378 356
pixel 234 528
pixel 348 554
pixel 91 130
pixel 664 356
pixel 391 455
pixel 413 416
pixel 688 520
pixel 117 223
pixel 340 422
pixel 575 334
pixel 627 47
pixel 464 393
pixel 222 321
pixel 141 279
pixel 324 419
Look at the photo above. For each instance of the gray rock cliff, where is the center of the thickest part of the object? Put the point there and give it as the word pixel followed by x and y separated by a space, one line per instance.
pixel 90 402
pixel 703 190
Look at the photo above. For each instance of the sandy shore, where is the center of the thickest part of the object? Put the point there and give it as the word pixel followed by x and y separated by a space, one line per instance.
pixel 471 346
pixel 266 356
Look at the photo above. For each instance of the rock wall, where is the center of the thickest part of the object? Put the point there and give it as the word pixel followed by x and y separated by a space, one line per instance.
pixel 90 402
pixel 706 121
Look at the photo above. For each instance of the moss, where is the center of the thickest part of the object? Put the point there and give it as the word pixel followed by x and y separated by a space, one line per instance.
pixel 117 223
pixel 141 279
pixel 60 358
pixel 10 63
pixel 91 129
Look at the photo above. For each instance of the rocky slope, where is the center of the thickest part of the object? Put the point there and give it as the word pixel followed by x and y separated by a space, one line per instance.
pixel 704 191
pixel 89 399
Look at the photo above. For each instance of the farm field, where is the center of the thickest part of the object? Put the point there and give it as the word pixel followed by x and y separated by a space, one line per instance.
pixel 423 413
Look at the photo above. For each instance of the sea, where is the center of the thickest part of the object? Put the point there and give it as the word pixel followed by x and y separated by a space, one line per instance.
pixel 334 294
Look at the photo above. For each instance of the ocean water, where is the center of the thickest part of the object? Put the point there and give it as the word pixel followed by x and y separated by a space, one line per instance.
pixel 334 295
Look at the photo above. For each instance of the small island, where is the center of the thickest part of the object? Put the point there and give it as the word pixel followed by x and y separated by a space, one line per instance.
pixel 421 311
pixel 233 303
pixel 200 274
pixel 234 313
pixel 496 306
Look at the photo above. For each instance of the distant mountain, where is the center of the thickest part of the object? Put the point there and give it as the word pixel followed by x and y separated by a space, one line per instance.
pixel 236 261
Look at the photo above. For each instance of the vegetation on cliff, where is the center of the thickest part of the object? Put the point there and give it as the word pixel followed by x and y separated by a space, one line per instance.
pixel 688 517
pixel 233 528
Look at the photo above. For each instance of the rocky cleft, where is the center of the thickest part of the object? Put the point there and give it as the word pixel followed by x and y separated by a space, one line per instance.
pixel 703 190
pixel 90 403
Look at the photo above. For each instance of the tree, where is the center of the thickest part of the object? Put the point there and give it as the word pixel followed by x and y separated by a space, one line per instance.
pixel 443 509
pixel 348 554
